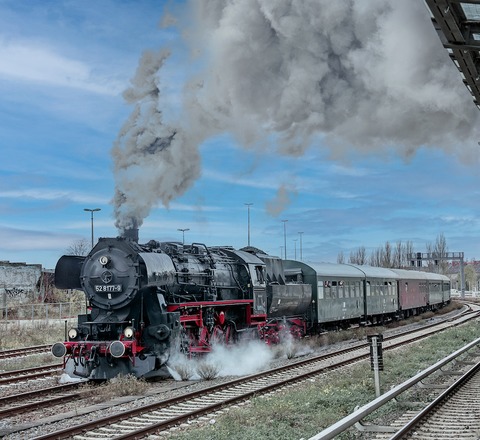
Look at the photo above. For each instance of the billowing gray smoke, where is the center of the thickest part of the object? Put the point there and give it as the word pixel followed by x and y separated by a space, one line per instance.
pixel 364 74
pixel 153 161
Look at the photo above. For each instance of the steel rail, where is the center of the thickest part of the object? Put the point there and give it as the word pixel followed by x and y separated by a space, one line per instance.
pixel 436 403
pixel 359 414
pixel 52 400
pixel 28 374
pixel 15 352
pixel 155 426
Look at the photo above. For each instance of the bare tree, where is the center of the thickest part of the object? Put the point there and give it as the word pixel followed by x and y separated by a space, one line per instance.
pixel 80 247
pixel 359 256
pixel 387 255
pixel 340 258
pixel 376 257
pixel 470 277
pixel 441 250
pixel 407 250
pixel 397 254
pixel 438 250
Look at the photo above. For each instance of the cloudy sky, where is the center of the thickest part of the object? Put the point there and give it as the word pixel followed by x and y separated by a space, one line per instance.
pixel 173 115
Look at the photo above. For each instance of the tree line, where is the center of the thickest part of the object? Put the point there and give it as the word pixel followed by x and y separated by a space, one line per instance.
pixel 398 255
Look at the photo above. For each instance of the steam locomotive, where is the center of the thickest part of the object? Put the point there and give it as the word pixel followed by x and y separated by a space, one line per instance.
pixel 147 301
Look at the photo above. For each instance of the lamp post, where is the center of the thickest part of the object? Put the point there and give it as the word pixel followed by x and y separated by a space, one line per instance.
pixel 301 256
pixel 248 207
pixel 295 241
pixel 285 236
pixel 183 234
pixel 91 211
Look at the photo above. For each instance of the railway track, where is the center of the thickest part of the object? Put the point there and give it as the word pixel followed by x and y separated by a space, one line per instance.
pixel 24 351
pixel 32 400
pixel 453 414
pixel 159 416
pixel 333 360
pixel 15 376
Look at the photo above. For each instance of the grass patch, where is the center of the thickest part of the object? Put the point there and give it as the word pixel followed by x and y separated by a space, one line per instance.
pixel 17 335
pixel 306 409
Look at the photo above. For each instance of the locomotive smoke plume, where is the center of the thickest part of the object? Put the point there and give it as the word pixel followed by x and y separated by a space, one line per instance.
pixel 368 75
pixel 152 161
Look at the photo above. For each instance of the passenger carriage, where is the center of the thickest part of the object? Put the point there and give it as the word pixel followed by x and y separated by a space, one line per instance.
pixel 412 292
pixel 381 294
pixel 438 290
pixel 347 294
pixel 339 294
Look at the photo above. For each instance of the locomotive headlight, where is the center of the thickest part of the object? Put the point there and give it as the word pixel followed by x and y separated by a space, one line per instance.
pixel 103 260
pixel 72 333
pixel 128 332
pixel 59 350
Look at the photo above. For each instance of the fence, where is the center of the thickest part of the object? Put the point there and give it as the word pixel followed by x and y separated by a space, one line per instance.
pixel 47 311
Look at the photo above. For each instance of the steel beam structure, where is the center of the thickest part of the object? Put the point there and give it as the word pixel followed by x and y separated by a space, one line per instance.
pixel 416 259
pixel 458 26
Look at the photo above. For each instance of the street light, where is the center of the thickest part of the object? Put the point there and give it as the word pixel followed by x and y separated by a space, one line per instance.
pixel 91 211
pixel 301 256
pixel 248 207
pixel 295 241
pixel 183 234
pixel 285 236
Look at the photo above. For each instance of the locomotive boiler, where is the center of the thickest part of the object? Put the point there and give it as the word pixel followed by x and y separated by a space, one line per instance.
pixel 148 300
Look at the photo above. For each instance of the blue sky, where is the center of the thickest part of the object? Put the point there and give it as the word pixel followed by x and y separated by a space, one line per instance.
pixel 64 66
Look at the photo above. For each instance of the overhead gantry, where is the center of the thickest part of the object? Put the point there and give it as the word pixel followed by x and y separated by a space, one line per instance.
pixel 458 26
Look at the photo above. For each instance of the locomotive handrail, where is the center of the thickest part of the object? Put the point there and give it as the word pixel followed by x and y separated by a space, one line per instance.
pixel 360 413
pixel 200 245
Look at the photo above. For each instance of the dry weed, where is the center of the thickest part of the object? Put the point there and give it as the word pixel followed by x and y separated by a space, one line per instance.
pixel 208 371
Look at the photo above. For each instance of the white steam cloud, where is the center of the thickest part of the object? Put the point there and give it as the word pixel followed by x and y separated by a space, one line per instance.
pixel 369 75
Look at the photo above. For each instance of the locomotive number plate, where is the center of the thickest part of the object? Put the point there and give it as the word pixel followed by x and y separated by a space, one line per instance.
pixel 108 288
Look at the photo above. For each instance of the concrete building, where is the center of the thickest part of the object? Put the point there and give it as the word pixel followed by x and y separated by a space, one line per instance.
pixel 20 283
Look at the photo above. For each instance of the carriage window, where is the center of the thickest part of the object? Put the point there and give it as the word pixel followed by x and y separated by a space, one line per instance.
pixel 327 289
pixel 388 288
pixel 340 292
pixel 320 289
pixel 358 289
pixel 259 272
pixel 334 292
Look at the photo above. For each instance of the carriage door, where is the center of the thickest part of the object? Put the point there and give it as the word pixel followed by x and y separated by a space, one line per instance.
pixel 366 298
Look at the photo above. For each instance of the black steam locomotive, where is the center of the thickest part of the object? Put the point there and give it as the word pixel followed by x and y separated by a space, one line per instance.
pixel 147 301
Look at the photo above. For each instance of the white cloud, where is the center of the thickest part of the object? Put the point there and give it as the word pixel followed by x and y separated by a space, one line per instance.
pixel 33 62
pixel 16 239
pixel 48 194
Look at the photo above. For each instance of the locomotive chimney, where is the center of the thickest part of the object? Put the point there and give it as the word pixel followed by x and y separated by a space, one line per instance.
pixel 132 232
